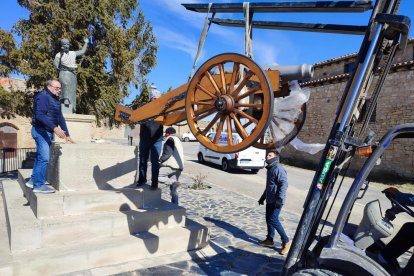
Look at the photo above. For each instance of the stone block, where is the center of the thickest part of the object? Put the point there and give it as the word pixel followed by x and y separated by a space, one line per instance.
pixel 82 167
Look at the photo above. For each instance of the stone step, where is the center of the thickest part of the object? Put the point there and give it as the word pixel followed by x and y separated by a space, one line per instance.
pixel 86 202
pixel 109 251
pixel 84 167
pixel 26 232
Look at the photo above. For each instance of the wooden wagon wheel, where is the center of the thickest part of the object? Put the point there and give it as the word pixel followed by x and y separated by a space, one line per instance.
pixel 267 141
pixel 230 102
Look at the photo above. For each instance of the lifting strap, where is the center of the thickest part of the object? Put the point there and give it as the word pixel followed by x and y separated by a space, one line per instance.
pixel 203 36
pixel 248 49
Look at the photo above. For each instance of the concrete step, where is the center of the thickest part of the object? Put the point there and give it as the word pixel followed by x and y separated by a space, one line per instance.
pixel 109 251
pixel 26 232
pixel 84 167
pixel 86 202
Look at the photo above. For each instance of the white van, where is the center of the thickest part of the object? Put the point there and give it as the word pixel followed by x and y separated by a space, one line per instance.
pixel 250 158
pixel 188 136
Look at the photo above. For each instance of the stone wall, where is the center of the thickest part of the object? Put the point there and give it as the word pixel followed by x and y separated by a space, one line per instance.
pixel 395 106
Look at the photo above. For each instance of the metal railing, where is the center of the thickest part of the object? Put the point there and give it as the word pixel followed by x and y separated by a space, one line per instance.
pixel 12 159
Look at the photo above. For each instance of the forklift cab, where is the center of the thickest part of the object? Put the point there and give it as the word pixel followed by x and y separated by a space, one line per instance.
pixel 353 250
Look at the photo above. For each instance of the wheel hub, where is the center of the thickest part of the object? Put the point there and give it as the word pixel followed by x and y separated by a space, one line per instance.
pixel 224 103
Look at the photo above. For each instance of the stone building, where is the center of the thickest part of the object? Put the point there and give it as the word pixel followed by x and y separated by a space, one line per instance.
pixel 395 106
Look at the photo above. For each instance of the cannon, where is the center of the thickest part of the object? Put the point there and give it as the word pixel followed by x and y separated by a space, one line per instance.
pixel 232 93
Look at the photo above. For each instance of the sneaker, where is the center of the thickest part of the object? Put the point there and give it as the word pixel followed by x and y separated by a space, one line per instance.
pixel 29 184
pixel 43 190
pixel 267 243
pixel 285 248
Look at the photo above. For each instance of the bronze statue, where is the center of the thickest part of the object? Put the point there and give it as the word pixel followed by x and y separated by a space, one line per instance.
pixel 65 62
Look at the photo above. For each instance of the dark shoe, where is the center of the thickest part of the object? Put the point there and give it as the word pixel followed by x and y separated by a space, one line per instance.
pixel 153 188
pixel 267 243
pixel 285 248
pixel 139 184
pixel 43 190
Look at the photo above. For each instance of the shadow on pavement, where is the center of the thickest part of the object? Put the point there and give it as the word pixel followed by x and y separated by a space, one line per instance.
pixel 235 231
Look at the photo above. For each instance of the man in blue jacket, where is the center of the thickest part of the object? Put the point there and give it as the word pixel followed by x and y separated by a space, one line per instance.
pixel 47 120
pixel 275 194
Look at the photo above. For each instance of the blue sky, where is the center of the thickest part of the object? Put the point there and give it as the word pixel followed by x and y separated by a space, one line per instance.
pixel 178 32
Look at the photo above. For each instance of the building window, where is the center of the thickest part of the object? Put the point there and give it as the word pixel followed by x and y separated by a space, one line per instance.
pixel 349 67
pixel 364 112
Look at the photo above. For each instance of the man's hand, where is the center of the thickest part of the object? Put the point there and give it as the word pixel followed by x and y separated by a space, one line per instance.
pixel 391 192
pixel 261 201
pixel 278 203
pixel 86 40
pixel 68 139
pixel 59 132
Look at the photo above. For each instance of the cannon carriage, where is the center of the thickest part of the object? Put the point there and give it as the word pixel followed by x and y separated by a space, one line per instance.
pixel 234 94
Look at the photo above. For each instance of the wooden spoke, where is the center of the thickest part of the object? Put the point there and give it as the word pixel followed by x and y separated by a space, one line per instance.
pixel 247 93
pixel 211 124
pixel 229 132
pixel 203 102
pixel 239 126
pixel 262 140
pixel 223 79
pixel 248 75
pixel 199 86
pixel 257 106
pixel 273 143
pixel 208 112
pixel 245 115
pixel 247 124
pixel 213 82
pixel 219 129
pixel 234 75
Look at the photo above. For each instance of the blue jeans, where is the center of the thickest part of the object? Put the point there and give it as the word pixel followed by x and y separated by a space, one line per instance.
pixel 272 222
pixel 145 148
pixel 43 139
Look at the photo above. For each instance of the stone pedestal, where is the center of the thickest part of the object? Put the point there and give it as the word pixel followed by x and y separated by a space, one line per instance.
pixel 96 218
pixel 80 127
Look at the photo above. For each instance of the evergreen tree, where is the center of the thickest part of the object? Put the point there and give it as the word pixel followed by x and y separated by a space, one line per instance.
pixel 121 53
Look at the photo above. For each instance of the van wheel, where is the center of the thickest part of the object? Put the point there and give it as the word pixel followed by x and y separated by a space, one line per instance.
pixel 225 165
pixel 186 139
pixel 200 158
pixel 255 171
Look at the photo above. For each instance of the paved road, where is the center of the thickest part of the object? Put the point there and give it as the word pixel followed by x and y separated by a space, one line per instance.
pixel 252 185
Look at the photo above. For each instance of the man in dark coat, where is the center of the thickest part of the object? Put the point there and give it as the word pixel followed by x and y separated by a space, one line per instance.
pixel 150 141
pixel 275 194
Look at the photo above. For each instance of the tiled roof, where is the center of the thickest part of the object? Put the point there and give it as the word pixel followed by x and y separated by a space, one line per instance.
pixel 337 59
pixel 394 67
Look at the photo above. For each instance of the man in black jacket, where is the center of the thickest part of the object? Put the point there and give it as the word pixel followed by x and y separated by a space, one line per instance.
pixel 274 194
pixel 150 141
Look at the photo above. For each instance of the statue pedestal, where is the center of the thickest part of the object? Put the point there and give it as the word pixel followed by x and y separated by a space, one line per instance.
pixel 80 127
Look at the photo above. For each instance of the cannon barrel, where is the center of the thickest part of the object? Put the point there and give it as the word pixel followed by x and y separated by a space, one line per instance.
pixel 293 72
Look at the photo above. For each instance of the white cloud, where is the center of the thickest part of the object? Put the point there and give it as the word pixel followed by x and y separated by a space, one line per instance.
pixel 177 41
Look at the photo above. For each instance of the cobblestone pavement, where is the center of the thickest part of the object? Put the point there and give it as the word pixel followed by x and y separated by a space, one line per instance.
pixel 236 224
